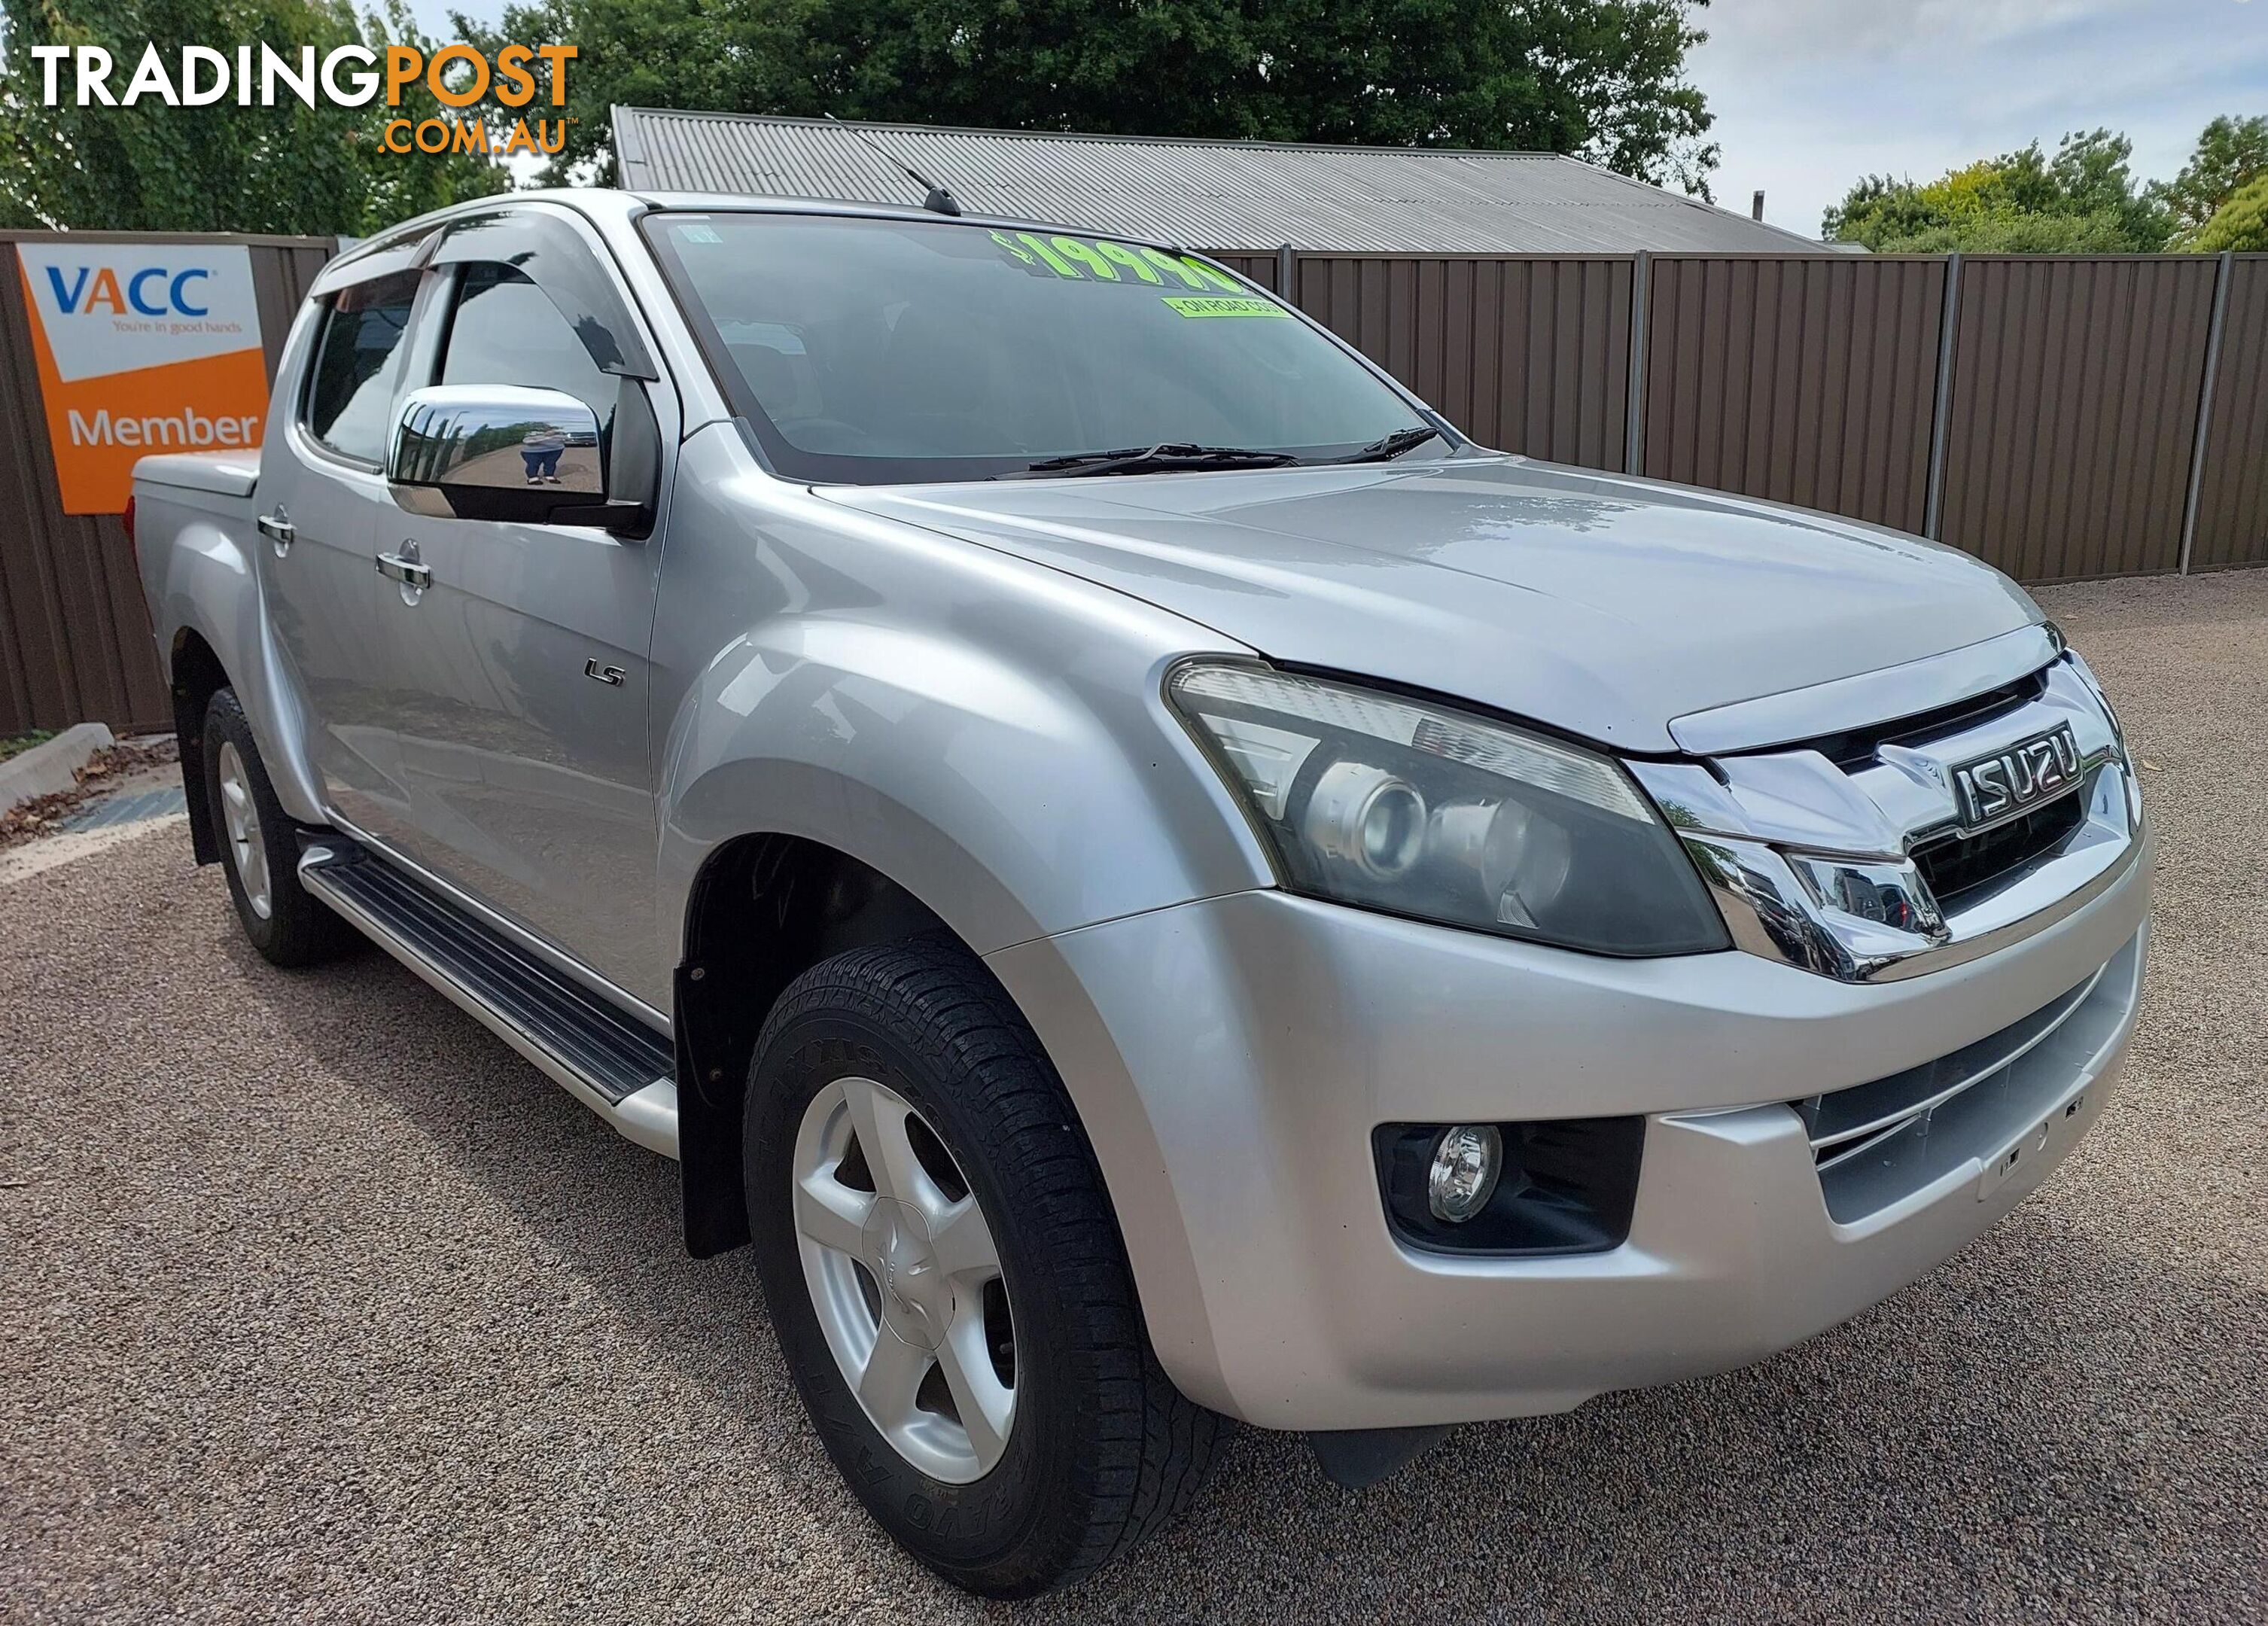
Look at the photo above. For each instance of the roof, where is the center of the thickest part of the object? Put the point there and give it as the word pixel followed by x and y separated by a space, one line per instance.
pixel 1227 197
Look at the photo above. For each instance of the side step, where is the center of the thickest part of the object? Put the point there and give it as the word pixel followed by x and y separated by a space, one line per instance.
pixel 612 1062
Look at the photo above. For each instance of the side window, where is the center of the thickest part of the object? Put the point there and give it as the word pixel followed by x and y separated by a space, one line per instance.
pixel 505 330
pixel 358 358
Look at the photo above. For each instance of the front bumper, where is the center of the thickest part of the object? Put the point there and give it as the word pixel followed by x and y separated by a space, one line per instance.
pixel 1230 1058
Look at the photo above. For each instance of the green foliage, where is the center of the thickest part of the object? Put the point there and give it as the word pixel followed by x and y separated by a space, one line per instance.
pixel 2231 154
pixel 1604 79
pixel 2241 224
pixel 288 168
pixel 2082 201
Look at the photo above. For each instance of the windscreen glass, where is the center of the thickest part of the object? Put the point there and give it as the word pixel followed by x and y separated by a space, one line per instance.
pixel 872 351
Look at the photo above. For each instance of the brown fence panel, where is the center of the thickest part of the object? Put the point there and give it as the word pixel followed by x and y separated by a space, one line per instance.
pixel 74 642
pixel 281 275
pixel 1808 380
pixel 1528 355
pixel 2232 521
pixel 2073 412
pixel 1260 268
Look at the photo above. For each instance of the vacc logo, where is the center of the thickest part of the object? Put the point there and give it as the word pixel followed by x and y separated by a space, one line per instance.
pixel 152 290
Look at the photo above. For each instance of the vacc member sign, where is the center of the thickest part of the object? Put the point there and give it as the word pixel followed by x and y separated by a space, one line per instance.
pixel 142 347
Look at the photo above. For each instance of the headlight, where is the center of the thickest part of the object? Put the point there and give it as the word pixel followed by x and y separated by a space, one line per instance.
pixel 1391 804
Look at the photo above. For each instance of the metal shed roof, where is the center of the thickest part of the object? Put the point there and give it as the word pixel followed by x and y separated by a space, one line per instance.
pixel 1212 195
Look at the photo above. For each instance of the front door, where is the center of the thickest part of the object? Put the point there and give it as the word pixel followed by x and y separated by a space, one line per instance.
pixel 520 686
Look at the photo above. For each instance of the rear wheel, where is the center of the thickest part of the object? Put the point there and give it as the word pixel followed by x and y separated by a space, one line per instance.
pixel 946 1280
pixel 260 847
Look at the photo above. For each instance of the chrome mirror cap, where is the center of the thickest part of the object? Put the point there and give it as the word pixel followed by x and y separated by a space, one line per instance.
pixel 496 451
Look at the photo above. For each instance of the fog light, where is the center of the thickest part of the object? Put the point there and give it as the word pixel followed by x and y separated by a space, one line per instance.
pixel 1467 1160
pixel 1510 1191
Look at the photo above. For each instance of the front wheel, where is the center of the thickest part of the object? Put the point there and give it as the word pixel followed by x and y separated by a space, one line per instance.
pixel 946 1280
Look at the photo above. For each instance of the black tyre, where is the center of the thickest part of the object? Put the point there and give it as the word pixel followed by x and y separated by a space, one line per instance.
pixel 260 847
pixel 946 1280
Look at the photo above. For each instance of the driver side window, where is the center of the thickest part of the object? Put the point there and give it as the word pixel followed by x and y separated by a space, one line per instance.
pixel 503 329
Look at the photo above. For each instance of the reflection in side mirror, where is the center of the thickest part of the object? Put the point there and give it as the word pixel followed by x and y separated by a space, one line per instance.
pixel 498 452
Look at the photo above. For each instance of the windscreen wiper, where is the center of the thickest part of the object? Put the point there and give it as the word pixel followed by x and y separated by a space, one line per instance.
pixel 1391 446
pixel 1165 457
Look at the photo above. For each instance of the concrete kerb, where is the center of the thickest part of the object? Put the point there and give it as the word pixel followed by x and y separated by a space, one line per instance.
pixel 50 766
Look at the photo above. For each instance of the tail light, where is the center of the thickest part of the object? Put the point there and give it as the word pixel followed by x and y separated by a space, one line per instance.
pixel 126 518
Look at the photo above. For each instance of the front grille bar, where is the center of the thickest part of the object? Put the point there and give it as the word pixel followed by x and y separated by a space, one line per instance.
pixel 1833 1143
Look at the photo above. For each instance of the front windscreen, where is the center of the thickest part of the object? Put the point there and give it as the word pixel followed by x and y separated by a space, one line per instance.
pixel 872 351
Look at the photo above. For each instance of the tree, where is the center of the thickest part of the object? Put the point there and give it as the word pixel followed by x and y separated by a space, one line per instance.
pixel 2241 224
pixel 2082 201
pixel 1603 79
pixel 288 168
pixel 2230 154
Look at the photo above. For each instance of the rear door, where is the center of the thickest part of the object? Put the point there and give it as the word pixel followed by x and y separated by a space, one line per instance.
pixel 520 684
pixel 323 505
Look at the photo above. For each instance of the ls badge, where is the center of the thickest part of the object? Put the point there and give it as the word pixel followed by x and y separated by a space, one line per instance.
pixel 2007 781
pixel 611 676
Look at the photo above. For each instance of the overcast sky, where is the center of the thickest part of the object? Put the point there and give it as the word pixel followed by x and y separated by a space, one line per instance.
pixel 1811 94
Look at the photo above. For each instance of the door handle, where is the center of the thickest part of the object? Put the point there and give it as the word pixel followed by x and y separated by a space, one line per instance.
pixel 278 530
pixel 407 570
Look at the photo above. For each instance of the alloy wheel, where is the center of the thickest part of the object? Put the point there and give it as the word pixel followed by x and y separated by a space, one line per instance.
pixel 905 1277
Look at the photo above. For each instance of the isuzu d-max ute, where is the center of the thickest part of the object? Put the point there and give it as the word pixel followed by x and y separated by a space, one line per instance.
pixel 1144 875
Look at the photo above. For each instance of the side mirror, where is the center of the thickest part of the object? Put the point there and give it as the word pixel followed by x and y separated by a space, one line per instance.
pixel 499 451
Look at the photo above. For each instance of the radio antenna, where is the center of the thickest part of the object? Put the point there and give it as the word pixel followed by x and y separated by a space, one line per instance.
pixel 940 200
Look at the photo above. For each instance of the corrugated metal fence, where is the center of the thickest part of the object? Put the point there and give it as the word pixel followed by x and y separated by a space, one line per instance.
pixel 2062 417
pixel 73 634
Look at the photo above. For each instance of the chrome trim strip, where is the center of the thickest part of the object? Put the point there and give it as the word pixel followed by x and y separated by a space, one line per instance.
pixel 1908 1114
pixel 1869 699
pixel 659 1020
pixel 1871 1141
pixel 647 1117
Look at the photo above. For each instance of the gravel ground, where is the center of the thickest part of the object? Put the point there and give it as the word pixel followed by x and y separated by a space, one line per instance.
pixel 319 1304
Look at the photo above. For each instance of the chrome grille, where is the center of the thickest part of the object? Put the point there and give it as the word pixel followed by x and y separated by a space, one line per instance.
pixel 1960 868
pixel 1875 866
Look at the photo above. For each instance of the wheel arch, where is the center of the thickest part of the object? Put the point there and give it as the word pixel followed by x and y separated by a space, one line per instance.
pixel 763 908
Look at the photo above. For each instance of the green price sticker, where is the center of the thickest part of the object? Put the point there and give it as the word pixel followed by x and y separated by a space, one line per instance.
pixel 1099 259
pixel 1211 305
